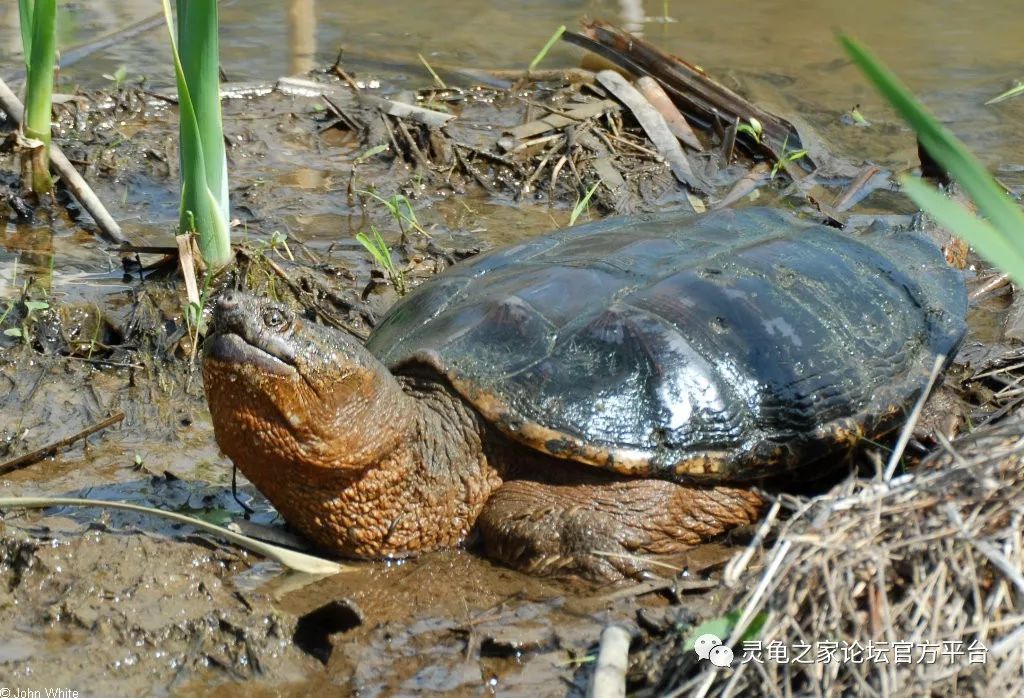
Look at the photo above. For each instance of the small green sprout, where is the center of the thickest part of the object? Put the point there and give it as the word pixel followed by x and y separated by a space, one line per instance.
pixel 279 241
pixel 723 626
pixel 401 210
pixel 857 117
pixel 369 153
pixel 381 254
pixel 752 128
pixel 786 157
pixel 582 204
pixel 118 77
pixel 31 308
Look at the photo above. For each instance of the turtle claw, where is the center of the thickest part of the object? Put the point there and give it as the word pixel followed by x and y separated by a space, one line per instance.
pixel 603 527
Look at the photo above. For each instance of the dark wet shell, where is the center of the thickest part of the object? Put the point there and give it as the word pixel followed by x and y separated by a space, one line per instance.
pixel 727 346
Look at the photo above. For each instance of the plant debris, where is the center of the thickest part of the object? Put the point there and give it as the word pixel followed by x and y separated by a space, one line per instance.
pixel 924 572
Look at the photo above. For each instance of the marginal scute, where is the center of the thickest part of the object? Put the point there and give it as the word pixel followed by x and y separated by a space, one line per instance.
pixel 729 346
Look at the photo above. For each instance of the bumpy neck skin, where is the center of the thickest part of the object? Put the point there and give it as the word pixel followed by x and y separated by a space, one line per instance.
pixel 425 494
pixel 362 464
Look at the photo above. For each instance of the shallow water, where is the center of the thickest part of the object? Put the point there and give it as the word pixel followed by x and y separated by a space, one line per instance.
pixel 955 55
pixel 781 53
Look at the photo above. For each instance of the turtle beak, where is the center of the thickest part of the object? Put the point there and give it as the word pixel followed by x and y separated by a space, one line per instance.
pixel 240 334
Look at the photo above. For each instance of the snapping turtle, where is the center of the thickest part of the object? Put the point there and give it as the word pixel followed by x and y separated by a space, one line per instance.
pixel 586 398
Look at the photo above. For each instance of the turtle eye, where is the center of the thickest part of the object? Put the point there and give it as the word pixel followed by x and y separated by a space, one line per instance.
pixel 275 319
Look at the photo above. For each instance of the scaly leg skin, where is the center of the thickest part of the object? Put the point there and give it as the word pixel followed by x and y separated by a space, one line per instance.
pixel 546 528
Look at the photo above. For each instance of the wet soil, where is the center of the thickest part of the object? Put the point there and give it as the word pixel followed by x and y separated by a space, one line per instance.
pixel 118 604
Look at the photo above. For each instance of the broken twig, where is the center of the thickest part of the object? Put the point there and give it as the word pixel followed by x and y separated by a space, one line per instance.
pixel 702 98
pixel 915 414
pixel 556 121
pixel 52 449
pixel 408 111
pixel 660 100
pixel 654 125
pixel 108 227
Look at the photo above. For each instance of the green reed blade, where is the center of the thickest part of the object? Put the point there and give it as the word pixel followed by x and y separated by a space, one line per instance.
pixel 947 150
pixel 204 201
pixel 39 24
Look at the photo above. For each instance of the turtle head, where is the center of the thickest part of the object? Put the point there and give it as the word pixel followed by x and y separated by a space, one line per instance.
pixel 287 393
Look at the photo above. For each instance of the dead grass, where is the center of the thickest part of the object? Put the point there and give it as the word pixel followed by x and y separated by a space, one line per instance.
pixel 934 556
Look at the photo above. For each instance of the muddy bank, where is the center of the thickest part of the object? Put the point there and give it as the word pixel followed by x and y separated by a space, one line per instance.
pixel 115 605
pixel 110 610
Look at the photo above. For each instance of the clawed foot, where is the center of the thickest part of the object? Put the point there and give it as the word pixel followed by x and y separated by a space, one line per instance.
pixel 606 528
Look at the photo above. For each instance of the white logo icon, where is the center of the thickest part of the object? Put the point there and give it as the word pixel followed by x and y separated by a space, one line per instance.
pixel 710 647
pixel 704 645
pixel 721 656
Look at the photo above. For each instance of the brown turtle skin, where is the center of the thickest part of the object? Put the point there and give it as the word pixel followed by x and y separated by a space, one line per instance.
pixel 369 465
pixel 589 398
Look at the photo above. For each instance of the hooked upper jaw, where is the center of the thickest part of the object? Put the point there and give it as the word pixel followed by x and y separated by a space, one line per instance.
pixel 286 360
pixel 249 331
pixel 232 349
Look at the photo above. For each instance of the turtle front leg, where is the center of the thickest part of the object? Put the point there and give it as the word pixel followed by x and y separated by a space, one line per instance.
pixel 603 527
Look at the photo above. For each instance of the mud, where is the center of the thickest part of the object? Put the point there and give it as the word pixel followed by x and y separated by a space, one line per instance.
pixel 118 604
pixel 113 604
pixel 113 610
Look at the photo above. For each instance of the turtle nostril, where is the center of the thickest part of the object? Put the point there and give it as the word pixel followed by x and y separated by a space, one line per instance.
pixel 227 301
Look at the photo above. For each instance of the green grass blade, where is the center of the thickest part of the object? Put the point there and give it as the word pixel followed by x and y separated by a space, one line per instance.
pixel 300 562
pixel 381 253
pixel 943 146
pixel 371 247
pixel 547 47
pixel 582 204
pixel 988 241
pixel 1002 97
pixel 437 78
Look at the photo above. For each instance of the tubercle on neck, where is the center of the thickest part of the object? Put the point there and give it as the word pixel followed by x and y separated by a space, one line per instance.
pixel 424 494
